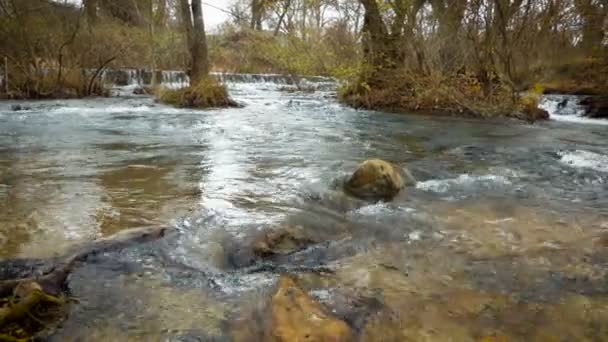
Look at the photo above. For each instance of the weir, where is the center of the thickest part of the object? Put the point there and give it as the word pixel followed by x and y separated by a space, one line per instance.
pixel 176 78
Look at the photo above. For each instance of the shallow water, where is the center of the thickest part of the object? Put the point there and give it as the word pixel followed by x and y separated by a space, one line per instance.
pixel 503 237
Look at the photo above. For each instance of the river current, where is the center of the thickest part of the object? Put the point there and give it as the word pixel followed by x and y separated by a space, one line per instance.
pixel 504 237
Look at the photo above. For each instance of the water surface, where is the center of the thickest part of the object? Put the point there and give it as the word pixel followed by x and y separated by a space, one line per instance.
pixel 504 236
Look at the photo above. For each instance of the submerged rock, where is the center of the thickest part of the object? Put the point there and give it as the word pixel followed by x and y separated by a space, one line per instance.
pixel 282 241
pixel 143 91
pixel 297 317
pixel 378 179
pixel 19 108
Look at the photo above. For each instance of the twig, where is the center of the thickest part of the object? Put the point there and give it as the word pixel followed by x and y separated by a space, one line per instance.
pixel 97 72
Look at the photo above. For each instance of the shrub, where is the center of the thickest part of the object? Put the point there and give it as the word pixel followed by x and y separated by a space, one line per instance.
pixel 528 107
pixel 404 91
pixel 208 93
pixel 241 50
pixel 581 77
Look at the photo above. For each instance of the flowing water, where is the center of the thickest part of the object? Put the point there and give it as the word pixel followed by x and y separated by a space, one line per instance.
pixel 505 236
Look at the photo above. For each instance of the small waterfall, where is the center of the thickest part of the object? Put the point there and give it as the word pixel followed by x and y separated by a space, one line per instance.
pixel 567 108
pixel 296 82
pixel 563 105
pixel 255 78
pixel 174 79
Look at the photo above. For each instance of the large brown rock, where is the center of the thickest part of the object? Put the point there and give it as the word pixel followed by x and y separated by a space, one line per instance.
pixel 378 179
pixel 295 317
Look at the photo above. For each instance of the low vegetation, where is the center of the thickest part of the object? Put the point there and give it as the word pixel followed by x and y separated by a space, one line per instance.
pixel 208 93
pixel 404 91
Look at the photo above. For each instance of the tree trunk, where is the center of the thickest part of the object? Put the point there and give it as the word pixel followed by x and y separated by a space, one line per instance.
pixel 198 49
pixel 376 42
pixel 257 11
pixel 160 17
pixel 90 7
pixel 185 16
pixel 151 24
pixel 449 15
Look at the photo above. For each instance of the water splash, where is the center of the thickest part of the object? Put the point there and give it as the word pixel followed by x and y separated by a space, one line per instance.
pixel 585 159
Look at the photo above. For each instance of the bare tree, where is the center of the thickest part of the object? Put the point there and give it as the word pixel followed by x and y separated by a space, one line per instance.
pixel 194 27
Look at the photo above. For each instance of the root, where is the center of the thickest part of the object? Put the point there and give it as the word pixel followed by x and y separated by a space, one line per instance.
pixel 27 297
pixel 9 338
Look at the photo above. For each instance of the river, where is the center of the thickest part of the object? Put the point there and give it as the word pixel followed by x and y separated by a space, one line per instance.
pixel 505 235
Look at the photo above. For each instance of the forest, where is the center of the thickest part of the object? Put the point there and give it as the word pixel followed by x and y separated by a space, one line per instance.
pixel 465 56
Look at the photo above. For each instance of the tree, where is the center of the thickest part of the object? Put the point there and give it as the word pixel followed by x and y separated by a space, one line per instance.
pixel 384 44
pixel 257 12
pixel 593 14
pixel 194 27
pixel 90 7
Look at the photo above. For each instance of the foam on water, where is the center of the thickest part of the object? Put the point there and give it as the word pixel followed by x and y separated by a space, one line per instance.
pixel 381 208
pixel 585 159
pixel 580 119
pixel 464 180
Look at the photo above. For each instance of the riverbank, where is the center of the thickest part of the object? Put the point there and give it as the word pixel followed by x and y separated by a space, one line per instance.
pixel 461 96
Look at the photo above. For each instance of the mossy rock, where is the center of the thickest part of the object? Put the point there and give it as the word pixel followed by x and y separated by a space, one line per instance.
pixel 282 241
pixel 378 179
pixel 29 312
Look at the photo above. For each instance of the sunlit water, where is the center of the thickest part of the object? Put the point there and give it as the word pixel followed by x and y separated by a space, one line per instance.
pixel 503 235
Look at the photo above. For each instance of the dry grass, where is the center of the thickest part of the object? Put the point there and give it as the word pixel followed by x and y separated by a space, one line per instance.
pixel 460 94
pixel 206 94
pixel 582 77
pixel 72 84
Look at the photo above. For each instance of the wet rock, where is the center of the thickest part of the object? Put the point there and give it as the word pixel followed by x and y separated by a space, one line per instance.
pixel 18 108
pixel 297 317
pixel 143 91
pixel 273 243
pixel 282 241
pixel 378 179
pixel 533 114
pixel 596 107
